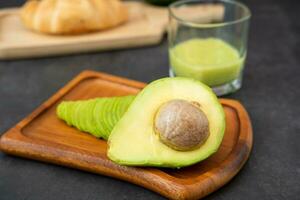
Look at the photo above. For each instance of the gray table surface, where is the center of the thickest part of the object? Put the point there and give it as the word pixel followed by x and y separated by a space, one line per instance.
pixel 270 93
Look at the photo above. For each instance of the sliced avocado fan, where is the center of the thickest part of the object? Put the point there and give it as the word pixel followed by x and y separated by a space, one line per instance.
pixel 95 116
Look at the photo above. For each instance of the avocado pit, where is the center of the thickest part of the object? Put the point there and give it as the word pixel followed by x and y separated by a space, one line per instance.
pixel 181 125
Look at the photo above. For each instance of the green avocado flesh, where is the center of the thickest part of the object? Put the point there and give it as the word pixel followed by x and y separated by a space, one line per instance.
pixel 95 116
pixel 128 122
pixel 133 140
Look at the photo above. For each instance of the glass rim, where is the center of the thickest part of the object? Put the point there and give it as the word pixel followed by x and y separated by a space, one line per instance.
pixel 209 25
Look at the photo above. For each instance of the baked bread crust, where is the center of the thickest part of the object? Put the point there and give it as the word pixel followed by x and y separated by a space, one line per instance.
pixel 72 16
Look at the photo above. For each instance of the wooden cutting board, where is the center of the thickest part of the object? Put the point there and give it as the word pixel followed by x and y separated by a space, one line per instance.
pixel 42 136
pixel 146 26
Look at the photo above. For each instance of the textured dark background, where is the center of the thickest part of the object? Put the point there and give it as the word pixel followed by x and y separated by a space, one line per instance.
pixel 270 93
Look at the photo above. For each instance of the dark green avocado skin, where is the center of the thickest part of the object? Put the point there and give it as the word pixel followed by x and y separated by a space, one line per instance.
pixel 160 2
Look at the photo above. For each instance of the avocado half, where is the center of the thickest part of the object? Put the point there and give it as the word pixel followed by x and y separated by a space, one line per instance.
pixel 133 140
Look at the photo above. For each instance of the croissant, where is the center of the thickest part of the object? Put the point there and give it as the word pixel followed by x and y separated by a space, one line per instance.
pixel 72 16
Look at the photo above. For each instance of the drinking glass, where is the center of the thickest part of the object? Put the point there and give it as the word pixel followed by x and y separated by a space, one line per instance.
pixel 208 42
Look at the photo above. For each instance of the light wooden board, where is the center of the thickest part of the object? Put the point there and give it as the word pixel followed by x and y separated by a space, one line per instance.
pixel 146 26
pixel 42 136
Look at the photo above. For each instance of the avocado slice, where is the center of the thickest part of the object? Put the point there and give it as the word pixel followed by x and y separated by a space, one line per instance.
pixel 95 116
pixel 134 140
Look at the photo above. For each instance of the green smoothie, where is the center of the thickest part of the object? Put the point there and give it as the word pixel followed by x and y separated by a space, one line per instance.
pixel 212 61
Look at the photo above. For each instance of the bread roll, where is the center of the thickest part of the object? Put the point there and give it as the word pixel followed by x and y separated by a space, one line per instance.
pixel 72 16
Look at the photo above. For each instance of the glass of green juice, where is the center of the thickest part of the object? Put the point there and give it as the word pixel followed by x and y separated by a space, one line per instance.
pixel 208 42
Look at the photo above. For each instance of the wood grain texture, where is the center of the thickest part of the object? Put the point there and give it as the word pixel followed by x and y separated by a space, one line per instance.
pixel 42 136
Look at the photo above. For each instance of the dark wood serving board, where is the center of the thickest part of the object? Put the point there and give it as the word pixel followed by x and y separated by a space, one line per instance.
pixel 42 136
